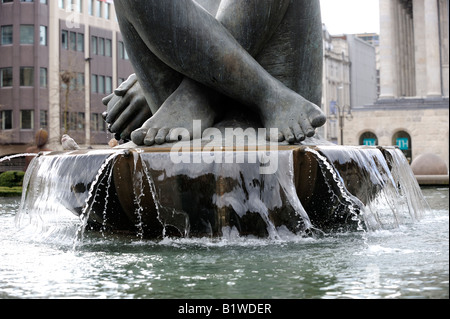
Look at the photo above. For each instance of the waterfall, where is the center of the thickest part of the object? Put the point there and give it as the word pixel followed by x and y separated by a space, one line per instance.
pixel 56 192
pixel 147 194
pixel 378 181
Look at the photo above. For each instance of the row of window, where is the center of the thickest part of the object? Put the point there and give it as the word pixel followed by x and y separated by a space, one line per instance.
pixel 76 82
pixel 401 139
pixel 72 40
pixel 69 40
pixel 99 83
pixel 26 119
pixel 26 77
pixel 98 8
pixel 101 46
pixel 41 1
pixel 75 121
pixel 26 34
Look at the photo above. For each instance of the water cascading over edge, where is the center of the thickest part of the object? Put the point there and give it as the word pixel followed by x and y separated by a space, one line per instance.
pixel 142 192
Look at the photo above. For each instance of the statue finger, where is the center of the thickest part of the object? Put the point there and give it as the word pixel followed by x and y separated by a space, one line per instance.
pixel 136 111
pixel 126 85
pixel 119 106
pixel 137 121
pixel 112 103
pixel 108 98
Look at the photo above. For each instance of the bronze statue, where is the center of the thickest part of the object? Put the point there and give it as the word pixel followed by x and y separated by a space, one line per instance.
pixel 255 59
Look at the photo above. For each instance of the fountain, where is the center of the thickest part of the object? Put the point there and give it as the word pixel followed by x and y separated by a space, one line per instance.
pixel 216 187
pixel 142 192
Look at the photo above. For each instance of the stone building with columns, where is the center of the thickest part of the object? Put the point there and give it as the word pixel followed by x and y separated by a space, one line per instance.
pixel 412 110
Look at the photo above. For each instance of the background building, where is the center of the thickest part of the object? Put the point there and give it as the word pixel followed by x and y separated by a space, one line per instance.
pixel 350 78
pixel 58 60
pixel 412 111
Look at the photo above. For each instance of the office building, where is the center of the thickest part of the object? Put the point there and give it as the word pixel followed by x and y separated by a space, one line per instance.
pixel 58 60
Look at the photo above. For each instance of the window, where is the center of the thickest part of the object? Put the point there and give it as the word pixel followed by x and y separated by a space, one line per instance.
pixel 43 120
pixel 368 139
pixel 6 120
pixel 107 8
pixel 94 88
pixel 94 122
pixel 6 77
pixel 94 44
pixel 43 1
pixel 43 77
pixel 98 8
pixel 108 47
pixel 80 42
pixel 80 81
pixel 27 34
pixel 101 84
pixel 122 51
pixel 101 46
pixel 97 123
pixel 73 40
pixel 78 6
pixel 73 121
pixel 65 39
pixel 61 4
pixel 108 85
pixel 6 1
pixel 27 119
pixel 26 0
pixel 101 124
pixel 403 141
pixel 26 76
pixel 43 35
pixel 7 34
pixel 91 7
pixel 80 121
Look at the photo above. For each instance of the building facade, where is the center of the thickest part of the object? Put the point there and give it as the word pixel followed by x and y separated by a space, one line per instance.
pixel 412 111
pixel 58 60
pixel 349 80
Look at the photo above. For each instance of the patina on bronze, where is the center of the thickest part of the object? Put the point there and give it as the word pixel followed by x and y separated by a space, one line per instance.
pixel 257 61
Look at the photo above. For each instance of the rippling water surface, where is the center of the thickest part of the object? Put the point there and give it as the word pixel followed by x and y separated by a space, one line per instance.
pixel 411 261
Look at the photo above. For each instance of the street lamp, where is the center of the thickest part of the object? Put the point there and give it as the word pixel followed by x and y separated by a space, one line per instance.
pixel 340 113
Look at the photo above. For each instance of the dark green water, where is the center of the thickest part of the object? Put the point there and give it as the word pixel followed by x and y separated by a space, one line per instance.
pixel 411 261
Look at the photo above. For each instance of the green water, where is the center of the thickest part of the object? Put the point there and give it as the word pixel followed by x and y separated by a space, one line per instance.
pixel 411 261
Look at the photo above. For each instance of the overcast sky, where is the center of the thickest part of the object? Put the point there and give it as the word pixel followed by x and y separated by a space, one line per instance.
pixel 351 16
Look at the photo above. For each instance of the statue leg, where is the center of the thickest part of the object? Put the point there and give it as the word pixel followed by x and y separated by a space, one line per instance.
pixel 294 54
pixel 157 80
pixel 209 54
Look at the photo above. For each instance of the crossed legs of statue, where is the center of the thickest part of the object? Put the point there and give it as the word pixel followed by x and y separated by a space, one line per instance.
pixel 185 60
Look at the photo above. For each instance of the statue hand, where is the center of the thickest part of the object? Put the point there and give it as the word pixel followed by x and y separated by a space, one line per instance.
pixel 127 109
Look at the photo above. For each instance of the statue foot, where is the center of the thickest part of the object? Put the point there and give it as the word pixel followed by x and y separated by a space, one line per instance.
pixel 176 116
pixel 295 117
